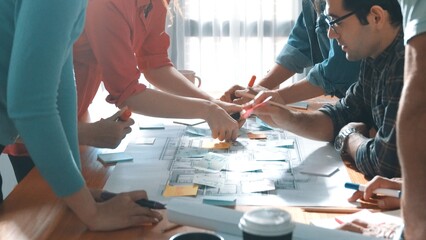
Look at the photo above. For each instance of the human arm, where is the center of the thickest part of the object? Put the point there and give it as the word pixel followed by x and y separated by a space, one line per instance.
pixel 299 91
pixel 272 79
pixel 325 78
pixel 277 75
pixel 314 125
pixel 332 76
pixel 383 202
pixel 161 104
pixel 41 102
pixel 308 46
pixel 383 230
pixel 121 66
pixel 335 74
pixel 170 80
pixel 374 102
pixel 119 212
pixel 294 57
pixel 411 131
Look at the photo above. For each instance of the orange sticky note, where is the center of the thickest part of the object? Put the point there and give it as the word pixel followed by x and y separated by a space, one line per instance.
pixel 256 135
pixel 216 145
pixel 176 191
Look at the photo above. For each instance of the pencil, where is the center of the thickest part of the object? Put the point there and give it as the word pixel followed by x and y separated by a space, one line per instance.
pixel 105 195
pixel 251 82
pixel 249 95
pixel 332 209
pixel 170 227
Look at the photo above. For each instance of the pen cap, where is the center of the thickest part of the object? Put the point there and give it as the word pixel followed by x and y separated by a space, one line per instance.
pixel 125 115
pixel 267 223
pixel 353 186
pixel 236 116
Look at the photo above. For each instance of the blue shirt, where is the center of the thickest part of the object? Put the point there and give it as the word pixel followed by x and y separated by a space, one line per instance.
pixel 309 46
pixel 374 100
pixel 414 17
pixel 37 87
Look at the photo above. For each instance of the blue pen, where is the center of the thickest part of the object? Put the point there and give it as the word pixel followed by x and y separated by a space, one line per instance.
pixel 141 202
pixel 379 191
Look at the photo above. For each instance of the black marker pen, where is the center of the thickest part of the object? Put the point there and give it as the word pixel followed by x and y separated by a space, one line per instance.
pixel 141 202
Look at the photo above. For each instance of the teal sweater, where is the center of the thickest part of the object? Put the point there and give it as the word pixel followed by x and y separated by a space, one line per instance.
pixel 37 87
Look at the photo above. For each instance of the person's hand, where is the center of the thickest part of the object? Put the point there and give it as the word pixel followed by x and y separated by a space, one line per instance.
pixel 231 108
pixel 121 211
pixel 236 94
pixel 272 115
pixel 229 95
pixel 222 125
pixel 383 202
pixel 228 107
pixel 105 133
pixel 239 94
pixel 382 230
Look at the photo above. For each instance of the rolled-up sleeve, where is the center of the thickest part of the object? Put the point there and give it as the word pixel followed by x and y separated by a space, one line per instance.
pixel 379 155
pixel 332 71
pixel 335 74
pixel 296 54
pixel 110 38
pixel 153 53
pixel 414 18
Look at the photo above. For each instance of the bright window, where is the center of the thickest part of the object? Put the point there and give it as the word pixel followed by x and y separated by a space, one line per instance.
pixel 227 41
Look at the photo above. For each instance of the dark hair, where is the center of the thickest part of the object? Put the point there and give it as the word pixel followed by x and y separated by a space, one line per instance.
pixel 362 8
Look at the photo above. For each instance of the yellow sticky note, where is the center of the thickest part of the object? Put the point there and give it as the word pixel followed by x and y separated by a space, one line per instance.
pixel 216 145
pixel 256 135
pixel 176 191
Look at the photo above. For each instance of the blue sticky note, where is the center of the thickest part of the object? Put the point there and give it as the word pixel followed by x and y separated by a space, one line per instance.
pixel 220 201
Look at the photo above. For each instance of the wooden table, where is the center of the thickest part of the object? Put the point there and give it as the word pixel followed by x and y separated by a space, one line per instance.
pixel 32 211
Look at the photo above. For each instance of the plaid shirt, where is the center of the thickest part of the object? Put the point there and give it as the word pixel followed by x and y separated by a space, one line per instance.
pixel 374 100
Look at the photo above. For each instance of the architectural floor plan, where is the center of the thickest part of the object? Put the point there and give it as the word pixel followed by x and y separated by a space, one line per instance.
pixel 264 166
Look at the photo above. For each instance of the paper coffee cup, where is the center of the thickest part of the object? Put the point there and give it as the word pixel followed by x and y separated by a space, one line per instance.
pixel 267 223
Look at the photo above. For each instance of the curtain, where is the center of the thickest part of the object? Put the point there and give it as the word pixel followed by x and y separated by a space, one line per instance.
pixel 227 41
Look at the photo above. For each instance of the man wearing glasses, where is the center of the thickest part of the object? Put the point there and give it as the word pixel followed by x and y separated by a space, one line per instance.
pixel 367 30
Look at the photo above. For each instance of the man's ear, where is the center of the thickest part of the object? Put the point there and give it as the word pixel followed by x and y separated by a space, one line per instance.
pixel 378 15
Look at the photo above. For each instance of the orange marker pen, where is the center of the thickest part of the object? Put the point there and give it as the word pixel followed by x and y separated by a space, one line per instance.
pixel 125 115
pixel 252 79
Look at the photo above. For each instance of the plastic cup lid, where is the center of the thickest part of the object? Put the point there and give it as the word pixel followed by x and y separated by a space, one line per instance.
pixel 267 222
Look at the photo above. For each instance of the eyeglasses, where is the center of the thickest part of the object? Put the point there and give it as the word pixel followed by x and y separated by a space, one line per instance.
pixel 334 23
